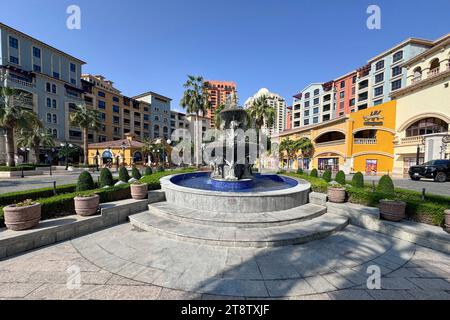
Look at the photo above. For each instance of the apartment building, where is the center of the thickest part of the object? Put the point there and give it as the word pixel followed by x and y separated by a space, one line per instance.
pixel 278 103
pixel 218 92
pixel 159 108
pixel 49 77
pixel 178 120
pixel 344 89
pixel 288 125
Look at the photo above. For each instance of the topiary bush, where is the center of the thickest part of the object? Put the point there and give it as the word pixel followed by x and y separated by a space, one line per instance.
pixel 106 178
pixel 161 169
pixel 299 171
pixel 340 178
pixel 358 180
pixel 85 182
pixel 123 174
pixel 327 175
pixel 314 173
pixel 385 185
pixel 135 173
pixel 148 171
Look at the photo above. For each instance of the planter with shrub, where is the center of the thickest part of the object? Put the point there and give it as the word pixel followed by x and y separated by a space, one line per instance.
pixel 106 178
pixel 135 173
pixel 123 175
pixel 340 178
pixel 392 210
pixel 385 185
pixel 314 173
pixel 23 215
pixel 85 182
pixel 358 180
pixel 336 193
pixel 86 204
pixel 148 171
pixel 139 190
pixel 447 220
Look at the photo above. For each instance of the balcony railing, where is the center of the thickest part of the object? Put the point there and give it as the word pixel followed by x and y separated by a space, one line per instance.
pixel 416 79
pixel 21 82
pixel 409 141
pixel 330 143
pixel 365 141
pixel 433 72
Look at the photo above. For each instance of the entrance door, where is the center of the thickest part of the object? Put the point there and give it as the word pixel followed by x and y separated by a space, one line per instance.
pixel 329 163
pixel 371 167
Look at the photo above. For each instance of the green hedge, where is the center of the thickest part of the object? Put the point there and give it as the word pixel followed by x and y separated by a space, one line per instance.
pixel 17 168
pixel 153 180
pixel 327 175
pixel 18 196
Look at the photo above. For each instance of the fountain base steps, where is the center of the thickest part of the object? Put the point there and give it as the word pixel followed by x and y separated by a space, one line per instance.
pixel 298 232
pixel 235 219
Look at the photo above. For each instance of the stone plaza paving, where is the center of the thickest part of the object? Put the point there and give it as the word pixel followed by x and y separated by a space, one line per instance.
pixel 125 263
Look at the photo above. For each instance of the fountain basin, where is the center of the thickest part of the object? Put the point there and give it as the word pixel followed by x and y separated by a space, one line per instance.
pixel 266 194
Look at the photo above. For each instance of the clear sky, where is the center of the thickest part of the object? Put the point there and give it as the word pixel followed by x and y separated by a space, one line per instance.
pixel 279 44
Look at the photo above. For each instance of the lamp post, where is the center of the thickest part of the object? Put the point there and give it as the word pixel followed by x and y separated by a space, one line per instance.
pixel 418 155
pixel 97 154
pixel 123 147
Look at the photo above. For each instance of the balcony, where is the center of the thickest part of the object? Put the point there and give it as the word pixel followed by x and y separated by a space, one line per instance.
pixel 365 141
pixel 20 82
pixel 411 141
pixel 433 72
pixel 330 143
pixel 416 79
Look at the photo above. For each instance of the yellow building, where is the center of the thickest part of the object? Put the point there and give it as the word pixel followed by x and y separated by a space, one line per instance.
pixel 423 108
pixel 126 151
pixel 363 141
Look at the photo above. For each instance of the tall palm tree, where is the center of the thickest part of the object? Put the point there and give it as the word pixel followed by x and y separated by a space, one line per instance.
pixel 292 147
pixel 13 116
pixel 262 114
pixel 196 100
pixel 34 137
pixel 87 119
pixel 306 148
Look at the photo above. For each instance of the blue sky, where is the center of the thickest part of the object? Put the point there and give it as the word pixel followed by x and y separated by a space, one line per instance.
pixel 279 44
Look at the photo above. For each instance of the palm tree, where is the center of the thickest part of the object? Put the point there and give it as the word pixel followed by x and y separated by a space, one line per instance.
pixel 34 137
pixel 87 119
pixel 13 116
pixel 306 148
pixel 292 147
pixel 196 100
pixel 216 115
pixel 262 114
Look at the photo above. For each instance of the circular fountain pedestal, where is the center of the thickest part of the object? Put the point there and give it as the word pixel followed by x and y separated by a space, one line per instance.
pixel 227 185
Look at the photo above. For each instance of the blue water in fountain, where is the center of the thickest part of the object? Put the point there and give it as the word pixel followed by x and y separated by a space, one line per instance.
pixel 260 183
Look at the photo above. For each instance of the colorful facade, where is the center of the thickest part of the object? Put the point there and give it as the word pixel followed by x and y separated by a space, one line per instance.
pixel 218 92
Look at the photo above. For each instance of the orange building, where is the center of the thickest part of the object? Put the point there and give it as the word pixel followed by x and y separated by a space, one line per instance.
pixel 345 94
pixel 218 93
pixel 288 118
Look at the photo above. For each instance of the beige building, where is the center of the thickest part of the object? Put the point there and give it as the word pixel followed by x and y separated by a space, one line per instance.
pixel 423 108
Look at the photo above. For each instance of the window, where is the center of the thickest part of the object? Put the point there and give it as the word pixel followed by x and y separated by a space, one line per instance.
pixel 354 79
pixel 379 77
pixel 36 52
pixel 156 118
pixel 316 92
pixel 55 75
pixel 397 84
pixel 55 133
pixel 315 119
pixel 326 117
pixel 396 71
pixel 397 56
pixel 102 116
pixel 146 117
pixel 378 91
pixel 342 94
pixel 342 84
pixel 49 117
pixel 101 94
pixel 116 109
pixel 426 126
pixel 73 67
pixel 49 103
pixel 13 59
pixel 352 102
pixel 377 102
pixel 316 110
pixel 53 88
pixel 306 104
pixel 101 104
pixel 73 81
pixel 36 68
pixel 316 101
pixel 13 42
pixel 115 99
pixel 55 119
pixel 326 108
pixel 306 113
pixel 306 122
pixel 48 87
pixel 54 104
pixel 379 65
pixel 116 120
pixel 307 95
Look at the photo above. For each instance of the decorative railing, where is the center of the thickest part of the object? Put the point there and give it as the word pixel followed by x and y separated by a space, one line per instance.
pixel 411 141
pixel 365 141
pixel 330 143
pixel 416 79
pixel 433 72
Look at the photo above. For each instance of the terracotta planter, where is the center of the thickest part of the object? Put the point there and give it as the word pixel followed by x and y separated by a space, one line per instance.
pixel 22 218
pixel 86 206
pixel 447 220
pixel 392 210
pixel 336 195
pixel 139 191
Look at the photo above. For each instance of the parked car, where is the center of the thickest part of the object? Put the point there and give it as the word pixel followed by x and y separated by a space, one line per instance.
pixel 439 170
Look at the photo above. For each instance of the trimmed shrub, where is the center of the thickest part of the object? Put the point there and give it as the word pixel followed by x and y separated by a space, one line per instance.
pixel 123 174
pixel 85 182
pixel 314 173
pixel 299 171
pixel 358 180
pixel 106 178
pixel 385 185
pixel 148 171
pixel 327 175
pixel 340 178
pixel 19 196
pixel 135 173
pixel 161 169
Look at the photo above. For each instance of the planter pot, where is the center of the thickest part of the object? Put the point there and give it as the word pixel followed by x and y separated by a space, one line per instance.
pixel 336 195
pixel 22 218
pixel 392 210
pixel 447 220
pixel 86 206
pixel 139 191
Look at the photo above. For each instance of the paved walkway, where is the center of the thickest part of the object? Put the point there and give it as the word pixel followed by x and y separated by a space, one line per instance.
pixel 125 263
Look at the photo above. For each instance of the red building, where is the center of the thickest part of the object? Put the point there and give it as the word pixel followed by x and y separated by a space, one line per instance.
pixel 288 118
pixel 218 93
pixel 345 93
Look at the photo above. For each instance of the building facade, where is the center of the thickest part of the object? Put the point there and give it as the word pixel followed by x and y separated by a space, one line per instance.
pixel 50 78
pixel 275 101
pixel 218 92
pixel 423 108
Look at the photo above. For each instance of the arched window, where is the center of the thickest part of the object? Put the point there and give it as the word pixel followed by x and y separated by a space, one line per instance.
pixel 55 133
pixel 165 130
pixel 434 65
pixel 316 92
pixel 426 126
pixel 330 137
pixel 55 118
pixel 307 95
pixel 53 88
pixel 49 117
pixel 54 104
pixel 137 156
pixel 49 102
pixel 417 72
pixel 156 131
